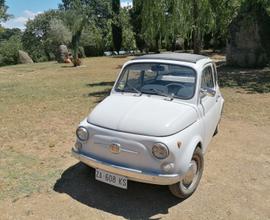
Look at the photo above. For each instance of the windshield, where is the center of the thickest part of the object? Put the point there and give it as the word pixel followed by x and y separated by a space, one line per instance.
pixel 160 79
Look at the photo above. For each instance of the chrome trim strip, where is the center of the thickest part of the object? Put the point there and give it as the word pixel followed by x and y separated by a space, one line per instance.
pixel 128 151
pixel 131 174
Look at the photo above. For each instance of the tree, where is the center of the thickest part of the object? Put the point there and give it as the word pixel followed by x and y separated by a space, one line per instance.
pixel 58 34
pixel 92 40
pixel 76 19
pixel 8 33
pixel 136 22
pixel 79 13
pixel 9 50
pixel 153 22
pixel 200 18
pixel 224 11
pixel 36 34
pixel 4 16
pixel 117 30
pixel 129 42
pixel 176 26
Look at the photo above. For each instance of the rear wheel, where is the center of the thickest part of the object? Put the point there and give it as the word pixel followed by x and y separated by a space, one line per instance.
pixel 187 186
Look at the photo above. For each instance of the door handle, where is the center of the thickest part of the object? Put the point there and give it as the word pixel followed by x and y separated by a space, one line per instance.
pixel 218 97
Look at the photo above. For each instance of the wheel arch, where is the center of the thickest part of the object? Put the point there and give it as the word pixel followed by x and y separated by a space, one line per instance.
pixel 188 153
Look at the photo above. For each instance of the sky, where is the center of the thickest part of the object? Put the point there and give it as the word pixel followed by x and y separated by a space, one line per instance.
pixel 22 10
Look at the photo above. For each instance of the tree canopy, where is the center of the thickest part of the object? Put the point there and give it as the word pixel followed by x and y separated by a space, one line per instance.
pixel 92 27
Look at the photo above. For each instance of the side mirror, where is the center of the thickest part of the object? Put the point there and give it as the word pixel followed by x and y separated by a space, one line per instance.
pixel 207 91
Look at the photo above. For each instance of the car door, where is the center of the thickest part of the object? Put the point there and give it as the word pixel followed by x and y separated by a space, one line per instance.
pixel 209 102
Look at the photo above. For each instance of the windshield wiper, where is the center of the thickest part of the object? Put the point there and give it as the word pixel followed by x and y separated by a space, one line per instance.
pixel 171 97
pixel 134 89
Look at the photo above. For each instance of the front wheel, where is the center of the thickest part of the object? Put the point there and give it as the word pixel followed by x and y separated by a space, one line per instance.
pixel 187 186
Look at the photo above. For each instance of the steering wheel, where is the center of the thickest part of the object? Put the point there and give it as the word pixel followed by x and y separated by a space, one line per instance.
pixel 174 84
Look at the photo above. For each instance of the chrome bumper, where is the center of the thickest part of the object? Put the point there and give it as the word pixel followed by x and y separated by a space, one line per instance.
pixel 131 174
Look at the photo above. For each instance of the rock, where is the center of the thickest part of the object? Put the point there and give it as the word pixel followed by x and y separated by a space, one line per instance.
pixel 249 43
pixel 62 54
pixel 24 58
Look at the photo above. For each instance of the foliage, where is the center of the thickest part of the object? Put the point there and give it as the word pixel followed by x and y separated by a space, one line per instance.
pixel 9 50
pixel 128 42
pixel 8 33
pixel 92 40
pixel 79 13
pixel 36 35
pixel 58 33
pixel 223 11
pixel 201 20
pixel 153 22
pixel 76 19
pixel 4 16
pixel 136 22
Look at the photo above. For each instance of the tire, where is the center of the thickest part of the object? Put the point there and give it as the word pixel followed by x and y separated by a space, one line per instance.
pixel 183 189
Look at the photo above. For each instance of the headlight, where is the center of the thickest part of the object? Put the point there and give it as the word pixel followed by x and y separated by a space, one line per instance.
pixel 160 151
pixel 82 133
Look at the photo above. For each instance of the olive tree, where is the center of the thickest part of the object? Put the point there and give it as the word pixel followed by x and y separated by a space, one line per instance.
pixel 78 14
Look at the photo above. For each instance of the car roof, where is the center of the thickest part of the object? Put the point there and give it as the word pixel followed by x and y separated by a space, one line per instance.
pixel 184 57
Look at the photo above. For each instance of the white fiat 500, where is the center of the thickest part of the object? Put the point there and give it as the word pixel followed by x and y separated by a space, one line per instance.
pixel 156 124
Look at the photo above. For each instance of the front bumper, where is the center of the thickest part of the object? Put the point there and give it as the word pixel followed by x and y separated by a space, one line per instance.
pixel 131 174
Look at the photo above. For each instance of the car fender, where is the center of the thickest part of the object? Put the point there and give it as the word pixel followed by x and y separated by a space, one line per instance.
pixel 187 153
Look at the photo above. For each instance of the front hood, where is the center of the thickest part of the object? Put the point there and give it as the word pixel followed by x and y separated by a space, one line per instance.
pixel 142 115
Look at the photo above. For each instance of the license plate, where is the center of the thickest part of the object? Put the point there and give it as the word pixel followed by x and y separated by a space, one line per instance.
pixel 112 179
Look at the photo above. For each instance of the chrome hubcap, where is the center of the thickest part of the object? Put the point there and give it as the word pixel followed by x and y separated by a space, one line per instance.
pixel 191 174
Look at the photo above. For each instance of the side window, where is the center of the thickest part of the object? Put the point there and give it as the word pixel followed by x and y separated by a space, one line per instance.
pixel 207 78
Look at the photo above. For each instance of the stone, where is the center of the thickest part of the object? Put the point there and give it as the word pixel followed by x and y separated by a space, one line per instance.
pixel 24 58
pixel 62 54
pixel 249 42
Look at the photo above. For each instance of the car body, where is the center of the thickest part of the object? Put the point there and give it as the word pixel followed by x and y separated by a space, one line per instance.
pixel 156 124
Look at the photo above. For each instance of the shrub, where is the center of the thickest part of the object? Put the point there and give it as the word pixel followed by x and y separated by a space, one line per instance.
pixel 9 51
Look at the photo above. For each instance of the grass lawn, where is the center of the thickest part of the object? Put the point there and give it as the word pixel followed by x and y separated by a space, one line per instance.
pixel 41 105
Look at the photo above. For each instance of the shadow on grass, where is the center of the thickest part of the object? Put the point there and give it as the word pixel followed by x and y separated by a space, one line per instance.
pixel 251 80
pixel 100 84
pixel 101 94
pixel 139 201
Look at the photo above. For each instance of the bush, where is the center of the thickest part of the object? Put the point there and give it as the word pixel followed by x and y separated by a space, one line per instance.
pixel 9 51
